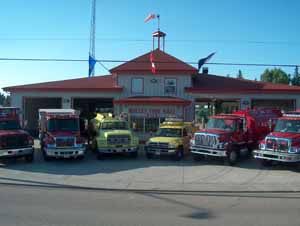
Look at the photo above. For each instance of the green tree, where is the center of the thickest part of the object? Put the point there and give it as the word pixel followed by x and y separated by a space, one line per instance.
pixel 275 75
pixel 4 100
pixel 296 77
pixel 240 74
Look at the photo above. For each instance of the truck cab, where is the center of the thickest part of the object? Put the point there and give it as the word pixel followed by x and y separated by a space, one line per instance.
pixel 113 136
pixel 231 136
pixel 60 134
pixel 172 138
pixel 14 141
pixel 283 143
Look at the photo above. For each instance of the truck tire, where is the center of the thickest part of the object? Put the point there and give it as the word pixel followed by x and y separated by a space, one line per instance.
pixel 197 157
pixel 93 145
pixel 29 158
pixel 81 157
pixel 232 158
pixel 100 156
pixel 149 155
pixel 178 154
pixel 266 163
pixel 47 158
pixel 133 154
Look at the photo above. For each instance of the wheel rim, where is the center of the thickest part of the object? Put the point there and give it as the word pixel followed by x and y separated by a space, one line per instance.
pixel 233 156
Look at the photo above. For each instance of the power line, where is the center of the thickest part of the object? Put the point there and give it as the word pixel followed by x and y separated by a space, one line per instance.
pixel 125 61
pixel 255 42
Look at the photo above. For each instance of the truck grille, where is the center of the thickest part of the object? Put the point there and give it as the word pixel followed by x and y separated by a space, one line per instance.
pixel 277 144
pixel 65 142
pixel 207 140
pixel 118 139
pixel 159 145
pixel 14 141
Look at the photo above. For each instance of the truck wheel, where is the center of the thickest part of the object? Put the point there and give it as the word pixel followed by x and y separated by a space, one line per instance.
pixel 100 156
pixel 149 155
pixel 232 158
pixel 29 158
pixel 47 158
pixel 197 157
pixel 81 157
pixel 178 155
pixel 265 162
pixel 133 154
pixel 93 145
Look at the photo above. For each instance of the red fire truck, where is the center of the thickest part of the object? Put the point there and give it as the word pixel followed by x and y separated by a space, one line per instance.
pixel 232 136
pixel 60 134
pixel 14 142
pixel 283 144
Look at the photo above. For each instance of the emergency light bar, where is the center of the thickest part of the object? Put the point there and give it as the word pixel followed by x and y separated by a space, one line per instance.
pixel 292 114
pixel 173 120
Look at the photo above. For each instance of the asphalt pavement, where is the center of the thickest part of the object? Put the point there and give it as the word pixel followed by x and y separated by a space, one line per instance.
pixel 37 206
pixel 121 172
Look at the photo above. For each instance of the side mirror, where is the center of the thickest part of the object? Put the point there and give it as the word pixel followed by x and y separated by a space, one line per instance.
pixel 270 124
pixel 244 124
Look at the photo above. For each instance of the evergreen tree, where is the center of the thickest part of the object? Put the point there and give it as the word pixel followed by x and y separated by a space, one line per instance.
pixel 240 74
pixel 296 77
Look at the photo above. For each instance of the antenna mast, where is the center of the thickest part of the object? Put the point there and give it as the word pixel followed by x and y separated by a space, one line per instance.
pixel 93 32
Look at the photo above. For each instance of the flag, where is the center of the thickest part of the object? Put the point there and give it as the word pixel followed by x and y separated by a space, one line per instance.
pixel 150 17
pixel 153 68
pixel 92 63
pixel 202 61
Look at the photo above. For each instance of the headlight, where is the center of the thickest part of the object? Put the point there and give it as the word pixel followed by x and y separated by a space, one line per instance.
pixel 172 145
pixel 222 145
pixel 192 142
pixel 102 141
pixel 294 150
pixel 262 146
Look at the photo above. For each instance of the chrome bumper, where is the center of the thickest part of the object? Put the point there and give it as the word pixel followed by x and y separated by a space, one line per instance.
pixel 65 152
pixel 108 150
pixel 16 152
pixel 208 151
pixel 160 151
pixel 276 156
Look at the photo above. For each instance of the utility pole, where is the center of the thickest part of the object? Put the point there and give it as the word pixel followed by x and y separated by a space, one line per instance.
pixel 93 32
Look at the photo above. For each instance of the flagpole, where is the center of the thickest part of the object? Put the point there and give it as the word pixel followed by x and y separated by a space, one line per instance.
pixel 158 21
pixel 92 36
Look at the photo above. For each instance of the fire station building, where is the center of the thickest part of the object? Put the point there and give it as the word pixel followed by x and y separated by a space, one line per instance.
pixel 175 90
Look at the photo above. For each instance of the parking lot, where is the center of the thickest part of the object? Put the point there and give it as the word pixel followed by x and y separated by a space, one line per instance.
pixel 119 172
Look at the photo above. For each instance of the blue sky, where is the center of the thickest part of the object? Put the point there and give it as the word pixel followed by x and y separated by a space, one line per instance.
pixel 195 28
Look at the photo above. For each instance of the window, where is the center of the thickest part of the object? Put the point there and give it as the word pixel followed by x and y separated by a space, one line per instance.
pixel 184 133
pixel 137 85
pixel 170 86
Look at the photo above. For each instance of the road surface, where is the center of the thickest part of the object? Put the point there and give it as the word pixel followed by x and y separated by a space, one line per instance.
pixel 42 206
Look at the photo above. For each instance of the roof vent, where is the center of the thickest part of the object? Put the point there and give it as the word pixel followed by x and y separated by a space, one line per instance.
pixel 205 70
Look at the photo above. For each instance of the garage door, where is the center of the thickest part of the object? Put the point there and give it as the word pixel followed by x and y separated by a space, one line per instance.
pixel 31 110
pixel 88 106
pixel 287 105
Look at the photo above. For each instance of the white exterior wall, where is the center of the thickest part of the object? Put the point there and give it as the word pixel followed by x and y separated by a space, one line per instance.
pixel 155 89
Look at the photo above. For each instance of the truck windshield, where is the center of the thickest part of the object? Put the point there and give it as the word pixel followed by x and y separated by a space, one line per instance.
pixel 10 125
pixel 168 132
pixel 221 124
pixel 292 126
pixel 114 125
pixel 63 125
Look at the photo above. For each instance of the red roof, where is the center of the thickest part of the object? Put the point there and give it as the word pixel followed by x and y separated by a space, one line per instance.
pixel 205 83
pixel 153 100
pixel 164 63
pixel 105 83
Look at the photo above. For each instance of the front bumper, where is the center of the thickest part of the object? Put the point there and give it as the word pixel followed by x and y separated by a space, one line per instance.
pixel 109 150
pixel 160 151
pixel 208 151
pixel 16 152
pixel 276 156
pixel 65 152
